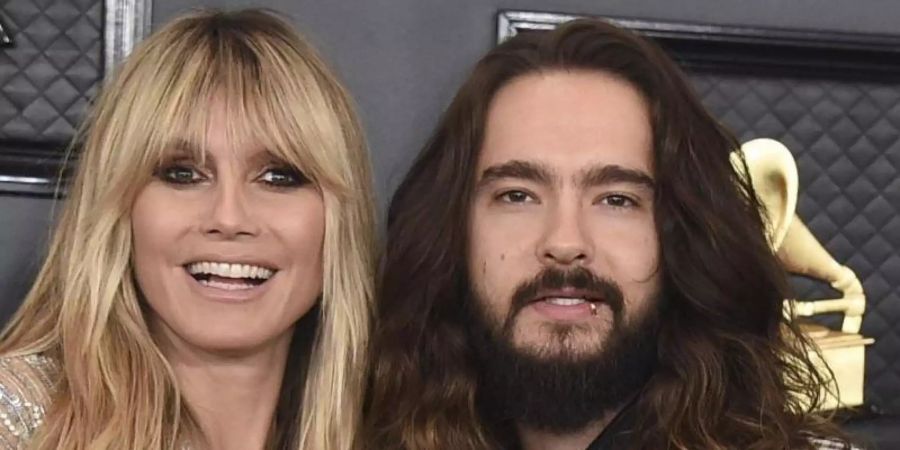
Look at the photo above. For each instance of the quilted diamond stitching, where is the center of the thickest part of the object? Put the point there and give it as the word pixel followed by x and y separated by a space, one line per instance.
pixel 48 78
pixel 846 139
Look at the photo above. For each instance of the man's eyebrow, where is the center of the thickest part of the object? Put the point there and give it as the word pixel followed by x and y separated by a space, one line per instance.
pixel 518 169
pixel 607 174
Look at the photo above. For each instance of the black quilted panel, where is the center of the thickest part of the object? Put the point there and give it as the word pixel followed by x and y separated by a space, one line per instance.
pixel 53 68
pixel 846 138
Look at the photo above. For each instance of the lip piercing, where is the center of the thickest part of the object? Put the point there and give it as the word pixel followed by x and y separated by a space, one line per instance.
pixel 593 309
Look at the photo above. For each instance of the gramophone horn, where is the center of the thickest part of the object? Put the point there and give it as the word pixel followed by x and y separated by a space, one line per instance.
pixel 773 175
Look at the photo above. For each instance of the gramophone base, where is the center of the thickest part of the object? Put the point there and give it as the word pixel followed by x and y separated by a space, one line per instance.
pixel 845 354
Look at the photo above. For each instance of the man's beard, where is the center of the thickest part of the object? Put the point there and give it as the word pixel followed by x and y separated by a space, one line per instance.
pixel 560 388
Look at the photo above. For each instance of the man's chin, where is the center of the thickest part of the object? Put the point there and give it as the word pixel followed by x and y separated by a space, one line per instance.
pixel 558 341
pixel 558 384
pixel 558 373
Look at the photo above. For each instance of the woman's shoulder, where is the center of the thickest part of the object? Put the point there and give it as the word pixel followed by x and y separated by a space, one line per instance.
pixel 26 386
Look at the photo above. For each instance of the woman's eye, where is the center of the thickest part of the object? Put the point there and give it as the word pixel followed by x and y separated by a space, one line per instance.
pixel 283 177
pixel 179 174
pixel 618 201
pixel 515 197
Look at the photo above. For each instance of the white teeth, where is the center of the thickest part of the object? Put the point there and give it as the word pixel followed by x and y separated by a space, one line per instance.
pixel 227 270
pixel 563 301
pixel 226 286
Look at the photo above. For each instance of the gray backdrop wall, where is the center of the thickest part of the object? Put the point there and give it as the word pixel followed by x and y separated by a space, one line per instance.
pixel 403 59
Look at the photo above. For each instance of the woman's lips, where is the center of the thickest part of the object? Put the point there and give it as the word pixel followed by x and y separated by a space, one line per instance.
pixel 227 289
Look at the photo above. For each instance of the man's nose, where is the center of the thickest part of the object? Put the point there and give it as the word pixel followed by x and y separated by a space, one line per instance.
pixel 565 241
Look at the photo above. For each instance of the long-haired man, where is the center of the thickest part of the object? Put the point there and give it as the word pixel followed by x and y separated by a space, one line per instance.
pixel 573 262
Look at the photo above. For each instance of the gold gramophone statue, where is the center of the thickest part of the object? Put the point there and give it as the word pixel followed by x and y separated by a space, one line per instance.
pixel 773 174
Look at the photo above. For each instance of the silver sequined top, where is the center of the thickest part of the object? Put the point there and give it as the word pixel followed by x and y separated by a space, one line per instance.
pixel 26 385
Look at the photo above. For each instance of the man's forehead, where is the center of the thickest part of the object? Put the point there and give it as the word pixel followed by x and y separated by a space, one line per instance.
pixel 568 120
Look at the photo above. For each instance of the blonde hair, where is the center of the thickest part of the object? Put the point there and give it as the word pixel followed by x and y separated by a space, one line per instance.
pixel 116 389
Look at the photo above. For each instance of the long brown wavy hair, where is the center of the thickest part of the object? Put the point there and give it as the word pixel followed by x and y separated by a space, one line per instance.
pixel 732 372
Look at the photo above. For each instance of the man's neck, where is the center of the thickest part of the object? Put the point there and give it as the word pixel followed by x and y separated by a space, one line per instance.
pixel 532 439
pixel 233 397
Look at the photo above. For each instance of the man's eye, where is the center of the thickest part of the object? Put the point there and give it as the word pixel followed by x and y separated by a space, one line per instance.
pixel 179 174
pixel 515 197
pixel 618 201
pixel 283 177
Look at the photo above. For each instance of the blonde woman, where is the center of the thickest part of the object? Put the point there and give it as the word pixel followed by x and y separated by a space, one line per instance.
pixel 209 281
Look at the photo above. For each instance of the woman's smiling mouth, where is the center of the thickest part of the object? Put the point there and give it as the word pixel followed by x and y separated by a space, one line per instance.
pixel 229 276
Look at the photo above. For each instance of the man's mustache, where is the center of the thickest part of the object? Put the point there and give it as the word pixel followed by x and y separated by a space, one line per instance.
pixel 580 279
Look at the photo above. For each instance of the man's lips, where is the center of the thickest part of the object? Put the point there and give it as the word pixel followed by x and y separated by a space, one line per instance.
pixel 567 295
pixel 566 305
pixel 581 294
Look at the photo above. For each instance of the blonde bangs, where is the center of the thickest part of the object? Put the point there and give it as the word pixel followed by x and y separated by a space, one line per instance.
pixel 277 99
pixel 271 97
pixel 144 113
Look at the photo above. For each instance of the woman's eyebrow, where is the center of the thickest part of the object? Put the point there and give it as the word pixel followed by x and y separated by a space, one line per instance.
pixel 182 149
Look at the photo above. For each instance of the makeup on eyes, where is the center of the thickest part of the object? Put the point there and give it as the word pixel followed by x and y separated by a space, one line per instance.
pixel 184 170
pixel 180 170
pixel 279 174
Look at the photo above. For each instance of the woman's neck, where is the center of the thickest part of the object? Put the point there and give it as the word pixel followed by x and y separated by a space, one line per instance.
pixel 232 396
